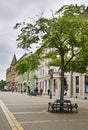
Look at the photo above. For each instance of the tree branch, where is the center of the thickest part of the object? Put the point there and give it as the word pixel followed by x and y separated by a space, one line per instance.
pixel 73 55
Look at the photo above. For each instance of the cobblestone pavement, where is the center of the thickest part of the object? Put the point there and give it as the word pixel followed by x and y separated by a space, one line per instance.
pixel 30 113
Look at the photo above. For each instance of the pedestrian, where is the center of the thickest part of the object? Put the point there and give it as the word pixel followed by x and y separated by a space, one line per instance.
pixel 65 92
pixel 41 91
pixel 29 89
pixel 48 91
pixel 24 90
pixel 12 88
pixel 36 90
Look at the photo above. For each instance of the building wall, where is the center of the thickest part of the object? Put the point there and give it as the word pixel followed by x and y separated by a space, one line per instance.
pixel 55 84
pixel 78 89
pixel 25 80
pixel 83 86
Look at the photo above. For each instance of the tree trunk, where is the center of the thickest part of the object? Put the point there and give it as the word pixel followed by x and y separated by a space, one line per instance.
pixel 62 78
pixel 62 82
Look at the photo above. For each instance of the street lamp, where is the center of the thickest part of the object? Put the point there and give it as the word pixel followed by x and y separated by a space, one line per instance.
pixel 50 72
pixel 36 80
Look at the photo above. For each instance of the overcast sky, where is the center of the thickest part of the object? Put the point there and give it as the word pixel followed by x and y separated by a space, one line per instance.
pixel 13 11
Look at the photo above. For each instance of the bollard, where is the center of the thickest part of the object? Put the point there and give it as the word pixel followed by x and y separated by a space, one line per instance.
pixel 50 95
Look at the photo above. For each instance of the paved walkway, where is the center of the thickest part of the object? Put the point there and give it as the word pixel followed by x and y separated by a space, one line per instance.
pixel 4 125
pixel 8 122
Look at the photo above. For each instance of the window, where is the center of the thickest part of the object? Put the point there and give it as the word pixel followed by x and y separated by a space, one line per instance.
pixel 86 83
pixel 77 84
pixel 54 85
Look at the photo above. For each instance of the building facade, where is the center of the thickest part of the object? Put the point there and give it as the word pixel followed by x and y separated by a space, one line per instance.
pixel 80 85
pixel 48 78
pixel 11 75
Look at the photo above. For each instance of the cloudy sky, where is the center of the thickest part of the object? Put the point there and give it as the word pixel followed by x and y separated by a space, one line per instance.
pixel 13 11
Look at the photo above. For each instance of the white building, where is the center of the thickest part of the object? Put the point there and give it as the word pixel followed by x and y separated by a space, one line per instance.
pixel 77 83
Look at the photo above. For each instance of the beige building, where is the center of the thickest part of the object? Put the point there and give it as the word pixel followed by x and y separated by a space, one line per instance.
pixel 11 74
pixel 49 78
pixel 80 85
pixel 77 84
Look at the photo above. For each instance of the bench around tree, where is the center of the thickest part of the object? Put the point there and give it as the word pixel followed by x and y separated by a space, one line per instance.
pixel 62 105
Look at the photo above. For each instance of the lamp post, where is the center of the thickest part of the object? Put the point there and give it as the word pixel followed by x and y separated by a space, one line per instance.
pixel 50 72
pixel 36 79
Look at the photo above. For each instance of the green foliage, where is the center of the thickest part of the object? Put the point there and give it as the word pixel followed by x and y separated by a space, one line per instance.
pixel 29 63
pixel 64 32
pixel 22 66
pixel 65 35
pixel 2 84
pixel 71 10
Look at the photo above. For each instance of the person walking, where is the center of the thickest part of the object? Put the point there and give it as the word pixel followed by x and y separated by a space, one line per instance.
pixel 41 91
pixel 48 91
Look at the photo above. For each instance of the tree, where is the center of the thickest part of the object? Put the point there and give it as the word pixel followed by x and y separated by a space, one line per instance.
pixel 2 84
pixel 65 35
pixel 28 63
